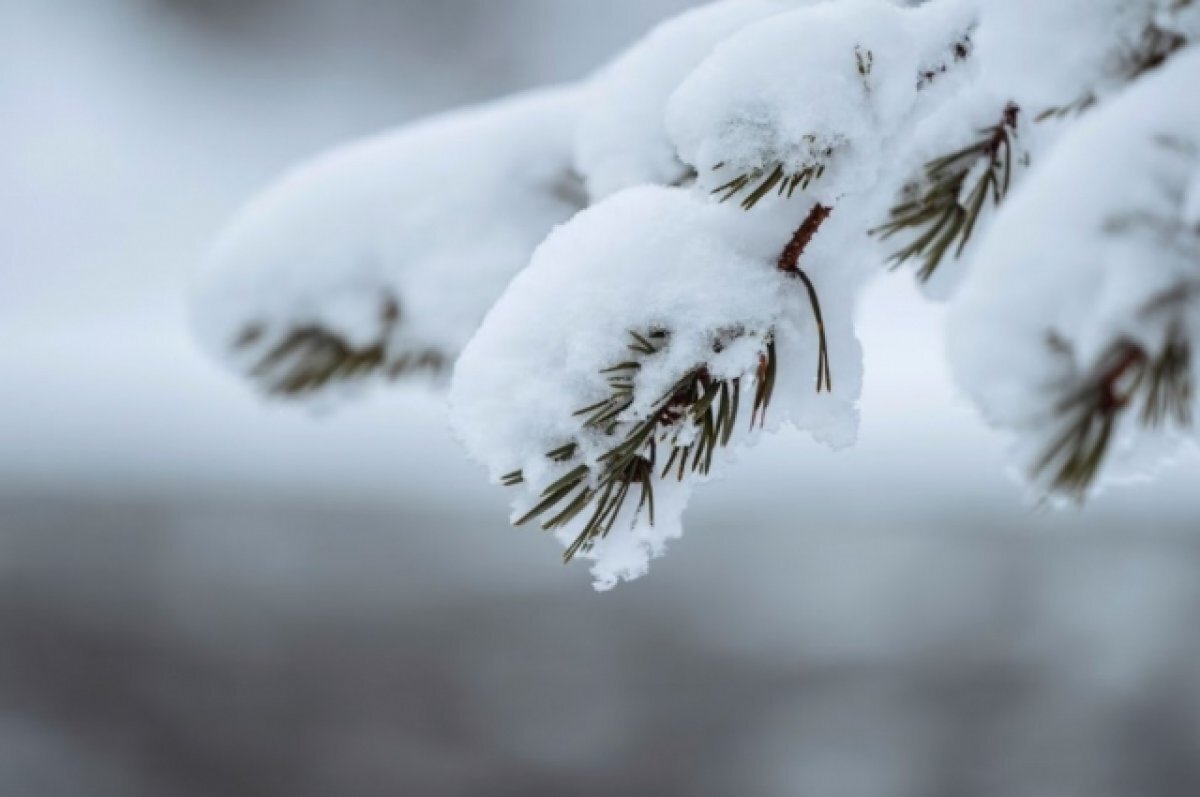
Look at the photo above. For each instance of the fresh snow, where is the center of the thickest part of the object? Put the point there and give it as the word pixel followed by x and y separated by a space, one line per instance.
pixel 1056 54
pixel 431 220
pixel 583 215
pixel 645 259
pixel 829 85
pixel 1079 254
pixel 622 139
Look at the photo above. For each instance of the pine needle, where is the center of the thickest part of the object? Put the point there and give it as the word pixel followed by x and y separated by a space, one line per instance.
pixel 710 406
pixel 758 183
pixel 1088 414
pixel 941 212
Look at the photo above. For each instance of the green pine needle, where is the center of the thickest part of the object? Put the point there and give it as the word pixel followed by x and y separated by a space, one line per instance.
pixel 309 358
pixel 1126 377
pixel 758 183
pixel 943 211
pixel 697 402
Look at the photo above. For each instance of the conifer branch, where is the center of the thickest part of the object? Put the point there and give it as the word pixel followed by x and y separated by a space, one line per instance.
pixel 784 180
pixel 309 358
pixel 688 424
pixel 1154 47
pixel 758 183
pixel 1126 376
pixel 789 263
pixel 1074 108
pixel 942 211
pixel 685 426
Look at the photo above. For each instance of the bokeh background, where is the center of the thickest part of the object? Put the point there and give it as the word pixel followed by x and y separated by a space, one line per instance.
pixel 202 594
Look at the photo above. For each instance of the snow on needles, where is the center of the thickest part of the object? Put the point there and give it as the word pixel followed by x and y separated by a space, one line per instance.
pixel 697 286
pixel 748 166
pixel 622 139
pixel 1071 52
pixel 821 91
pixel 648 261
pixel 389 251
pixel 1093 249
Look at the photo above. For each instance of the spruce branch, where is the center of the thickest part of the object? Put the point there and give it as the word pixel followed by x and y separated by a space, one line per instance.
pixel 1088 414
pixel 943 209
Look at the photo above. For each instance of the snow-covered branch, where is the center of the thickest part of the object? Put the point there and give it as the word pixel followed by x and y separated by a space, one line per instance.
pixel 671 252
pixel 377 261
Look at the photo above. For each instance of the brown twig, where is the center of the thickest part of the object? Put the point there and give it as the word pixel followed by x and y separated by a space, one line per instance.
pixel 1111 398
pixel 789 263
pixel 789 259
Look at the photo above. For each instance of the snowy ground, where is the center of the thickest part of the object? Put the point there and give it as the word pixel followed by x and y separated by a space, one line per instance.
pixel 200 594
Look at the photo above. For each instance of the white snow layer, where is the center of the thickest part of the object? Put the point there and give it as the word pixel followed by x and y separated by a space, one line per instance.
pixel 1049 54
pixel 428 223
pixel 830 85
pixel 433 222
pixel 647 258
pixel 1080 254
pixel 622 140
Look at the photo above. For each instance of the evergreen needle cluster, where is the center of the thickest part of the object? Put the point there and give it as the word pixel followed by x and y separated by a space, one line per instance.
pixel 758 183
pixel 942 210
pixel 677 437
pixel 1149 52
pixel 1126 376
pixel 310 357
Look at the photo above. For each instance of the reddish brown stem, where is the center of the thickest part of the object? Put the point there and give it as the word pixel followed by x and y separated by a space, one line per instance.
pixel 789 263
pixel 1111 399
pixel 789 260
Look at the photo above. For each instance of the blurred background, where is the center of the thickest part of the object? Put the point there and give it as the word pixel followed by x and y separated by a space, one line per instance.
pixel 202 594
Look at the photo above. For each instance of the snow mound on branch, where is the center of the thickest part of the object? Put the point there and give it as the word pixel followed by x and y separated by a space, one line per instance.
pixel 826 86
pixel 645 259
pixel 400 242
pixel 1054 54
pixel 959 123
pixel 622 139
pixel 1079 258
